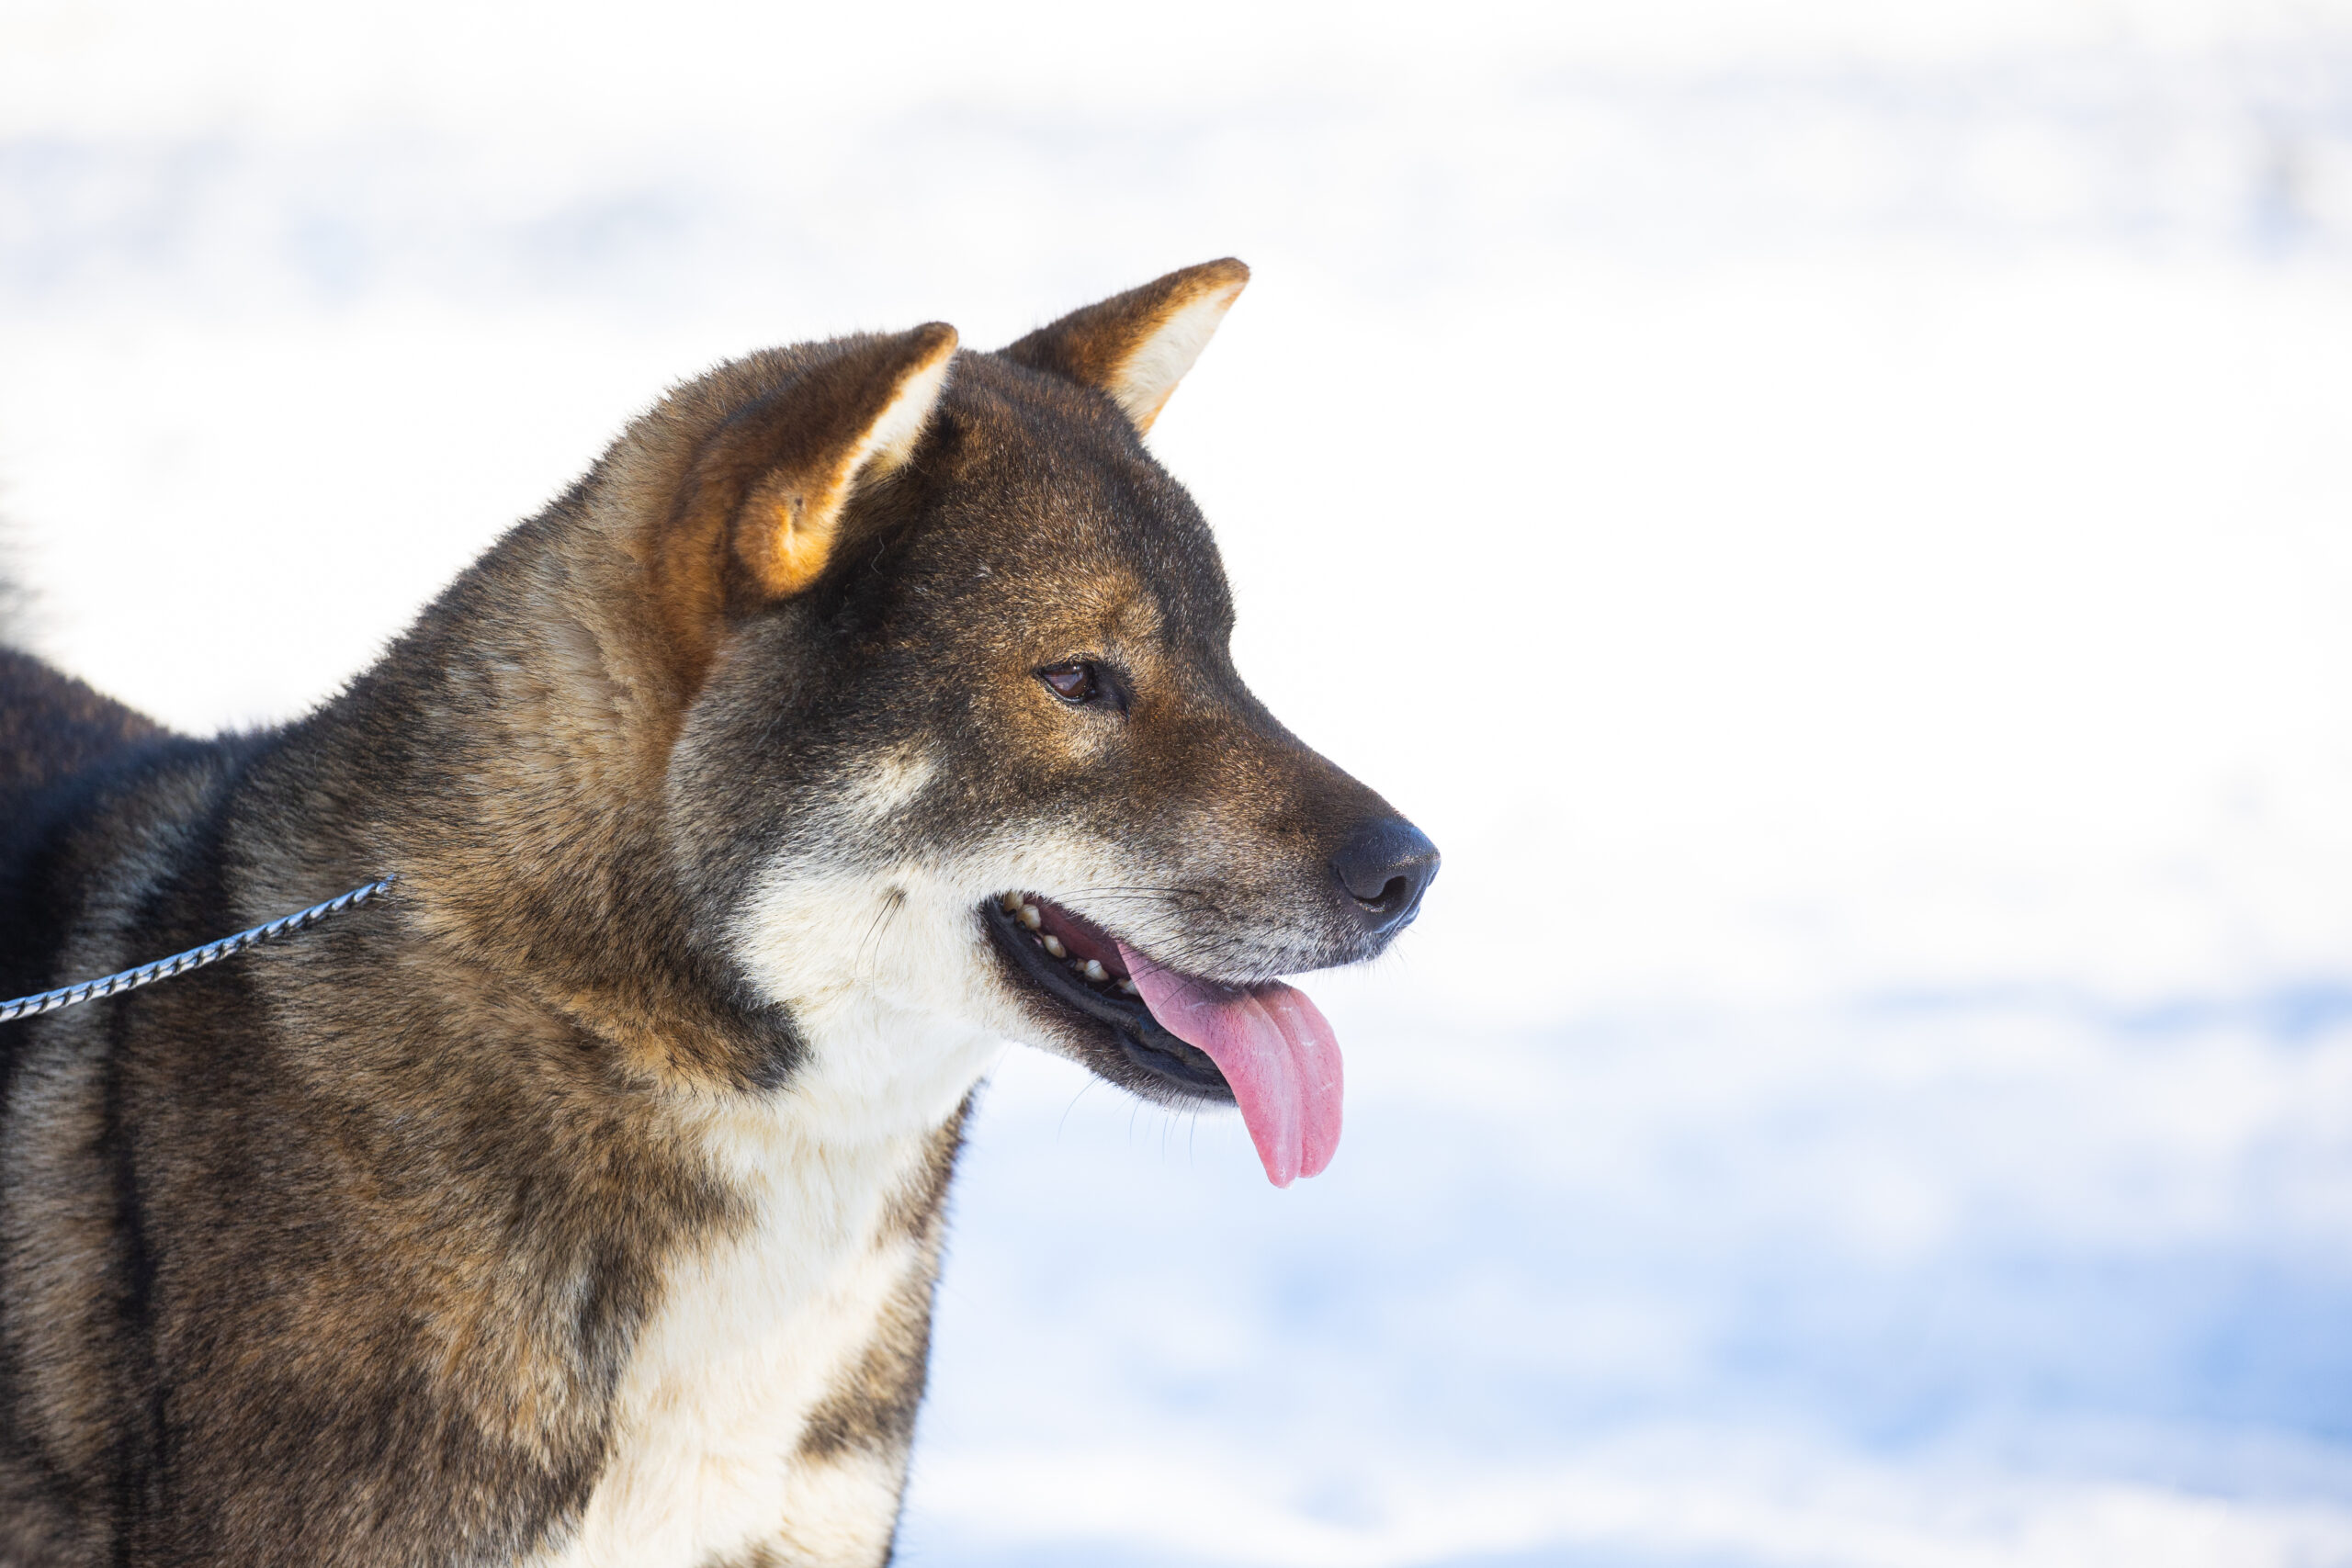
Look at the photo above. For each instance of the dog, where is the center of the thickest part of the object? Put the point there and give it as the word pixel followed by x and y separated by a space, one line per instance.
pixel 867 705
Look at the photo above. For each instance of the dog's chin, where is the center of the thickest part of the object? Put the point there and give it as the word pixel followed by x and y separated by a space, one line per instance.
pixel 1108 1032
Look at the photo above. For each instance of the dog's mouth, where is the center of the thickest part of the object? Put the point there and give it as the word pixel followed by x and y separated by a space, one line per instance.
pixel 1077 964
pixel 1263 1047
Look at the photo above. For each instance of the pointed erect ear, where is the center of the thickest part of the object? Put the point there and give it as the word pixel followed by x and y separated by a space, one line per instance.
pixel 759 511
pixel 1137 346
pixel 801 455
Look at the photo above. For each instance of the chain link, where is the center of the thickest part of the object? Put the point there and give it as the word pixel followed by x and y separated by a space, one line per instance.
pixel 194 958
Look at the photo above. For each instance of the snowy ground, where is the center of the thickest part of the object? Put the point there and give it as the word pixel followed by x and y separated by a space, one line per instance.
pixel 1834 516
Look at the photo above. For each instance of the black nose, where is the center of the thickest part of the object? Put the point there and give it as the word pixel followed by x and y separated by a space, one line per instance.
pixel 1385 865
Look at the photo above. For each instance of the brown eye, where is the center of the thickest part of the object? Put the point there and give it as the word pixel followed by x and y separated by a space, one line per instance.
pixel 1073 682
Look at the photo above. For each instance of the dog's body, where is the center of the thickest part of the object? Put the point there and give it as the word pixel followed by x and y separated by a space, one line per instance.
pixel 581 1201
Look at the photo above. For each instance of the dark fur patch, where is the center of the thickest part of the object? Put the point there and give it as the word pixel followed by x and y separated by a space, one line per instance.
pixel 53 726
pixel 750 1557
pixel 874 1406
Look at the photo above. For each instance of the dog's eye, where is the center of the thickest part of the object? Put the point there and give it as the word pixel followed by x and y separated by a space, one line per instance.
pixel 1076 682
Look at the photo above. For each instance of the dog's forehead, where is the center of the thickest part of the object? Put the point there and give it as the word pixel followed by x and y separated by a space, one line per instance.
pixel 1051 501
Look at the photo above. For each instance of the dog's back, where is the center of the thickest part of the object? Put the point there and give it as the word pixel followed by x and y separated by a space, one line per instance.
pixel 58 741
pixel 53 726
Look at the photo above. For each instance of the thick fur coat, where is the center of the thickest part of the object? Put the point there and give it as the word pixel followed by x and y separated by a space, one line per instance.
pixel 580 1203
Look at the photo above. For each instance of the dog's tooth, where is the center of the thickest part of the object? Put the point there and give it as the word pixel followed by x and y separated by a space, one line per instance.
pixel 1095 972
pixel 1128 986
pixel 1030 917
pixel 1054 945
pixel 1010 903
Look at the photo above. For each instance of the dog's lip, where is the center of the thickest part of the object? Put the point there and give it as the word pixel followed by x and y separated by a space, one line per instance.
pixel 1146 1043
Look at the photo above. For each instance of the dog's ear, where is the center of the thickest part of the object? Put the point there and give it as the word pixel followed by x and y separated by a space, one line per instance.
pixel 763 504
pixel 1136 346
pixel 799 458
pixel 760 510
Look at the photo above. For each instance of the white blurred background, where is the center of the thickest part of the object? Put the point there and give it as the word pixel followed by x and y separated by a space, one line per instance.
pixel 1834 515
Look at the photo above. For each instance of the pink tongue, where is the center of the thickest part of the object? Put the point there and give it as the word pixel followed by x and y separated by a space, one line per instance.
pixel 1273 1047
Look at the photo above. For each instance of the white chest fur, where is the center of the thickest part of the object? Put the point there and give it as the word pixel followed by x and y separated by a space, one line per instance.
pixel 751 1334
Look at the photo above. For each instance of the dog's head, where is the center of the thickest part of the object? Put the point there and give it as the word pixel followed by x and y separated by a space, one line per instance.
pixel 968 747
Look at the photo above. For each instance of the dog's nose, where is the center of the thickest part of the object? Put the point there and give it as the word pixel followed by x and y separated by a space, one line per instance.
pixel 1385 866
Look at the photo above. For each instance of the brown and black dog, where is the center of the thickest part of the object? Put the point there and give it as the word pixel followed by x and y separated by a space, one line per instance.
pixel 867 704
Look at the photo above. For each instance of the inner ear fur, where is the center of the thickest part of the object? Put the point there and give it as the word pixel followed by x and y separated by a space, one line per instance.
pixel 1136 346
pixel 760 510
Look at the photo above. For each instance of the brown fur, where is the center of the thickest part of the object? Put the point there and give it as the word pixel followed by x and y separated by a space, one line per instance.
pixel 1097 344
pixel 340 1252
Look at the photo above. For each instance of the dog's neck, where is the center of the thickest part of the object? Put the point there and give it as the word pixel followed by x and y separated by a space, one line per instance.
pixel 512 748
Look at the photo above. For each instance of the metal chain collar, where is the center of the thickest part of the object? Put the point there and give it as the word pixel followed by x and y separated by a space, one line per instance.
pixel 194 958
